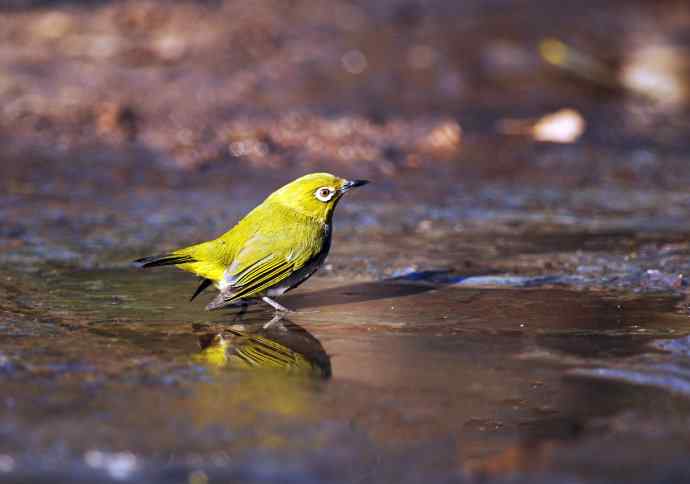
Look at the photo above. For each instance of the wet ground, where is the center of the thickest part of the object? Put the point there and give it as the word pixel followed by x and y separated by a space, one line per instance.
pixel 494 309
pixel 384 381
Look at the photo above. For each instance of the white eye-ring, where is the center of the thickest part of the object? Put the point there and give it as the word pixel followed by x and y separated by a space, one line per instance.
pixel 325 193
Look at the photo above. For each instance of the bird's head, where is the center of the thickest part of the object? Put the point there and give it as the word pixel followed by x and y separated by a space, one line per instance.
pixel 315 195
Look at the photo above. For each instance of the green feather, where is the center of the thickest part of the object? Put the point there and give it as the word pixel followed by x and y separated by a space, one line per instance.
pixel 287 232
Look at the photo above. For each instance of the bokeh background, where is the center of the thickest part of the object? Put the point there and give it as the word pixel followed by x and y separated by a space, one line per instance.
pixel 159 93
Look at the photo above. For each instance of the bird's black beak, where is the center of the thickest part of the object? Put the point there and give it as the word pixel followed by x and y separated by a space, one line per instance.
pixel 354 183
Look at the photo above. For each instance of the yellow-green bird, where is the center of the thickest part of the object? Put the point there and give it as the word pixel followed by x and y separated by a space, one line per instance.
pixel 274 248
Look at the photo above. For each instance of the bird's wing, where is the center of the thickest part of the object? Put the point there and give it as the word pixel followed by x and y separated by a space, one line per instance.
pixel 261 275
pixel 252 281
pixel 266 260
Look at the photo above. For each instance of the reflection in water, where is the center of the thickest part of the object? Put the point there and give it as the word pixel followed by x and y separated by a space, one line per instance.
pixel 286 366
pixel 279 345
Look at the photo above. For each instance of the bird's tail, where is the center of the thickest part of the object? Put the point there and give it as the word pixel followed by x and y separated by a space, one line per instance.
pixel 164 260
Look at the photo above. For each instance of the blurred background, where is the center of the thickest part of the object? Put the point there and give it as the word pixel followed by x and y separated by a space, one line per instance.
pixel 151 93
pixel 459 111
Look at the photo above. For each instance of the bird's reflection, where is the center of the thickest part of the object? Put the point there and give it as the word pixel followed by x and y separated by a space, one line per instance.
pixel 279 345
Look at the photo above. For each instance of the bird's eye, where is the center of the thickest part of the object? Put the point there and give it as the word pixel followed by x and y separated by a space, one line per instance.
pixel 324 193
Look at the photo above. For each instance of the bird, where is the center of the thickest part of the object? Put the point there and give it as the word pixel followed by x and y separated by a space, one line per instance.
pixel 276 247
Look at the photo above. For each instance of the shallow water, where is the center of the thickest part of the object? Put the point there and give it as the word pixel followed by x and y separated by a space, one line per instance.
pixel 374 381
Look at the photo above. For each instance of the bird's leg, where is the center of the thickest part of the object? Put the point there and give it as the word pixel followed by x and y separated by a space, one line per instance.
pixel 277 306
pixel 277 318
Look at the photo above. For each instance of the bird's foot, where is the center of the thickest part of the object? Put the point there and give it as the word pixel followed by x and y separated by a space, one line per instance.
pixel 276 321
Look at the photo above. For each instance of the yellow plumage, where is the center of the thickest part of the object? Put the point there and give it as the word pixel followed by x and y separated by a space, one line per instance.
pixel 274 248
